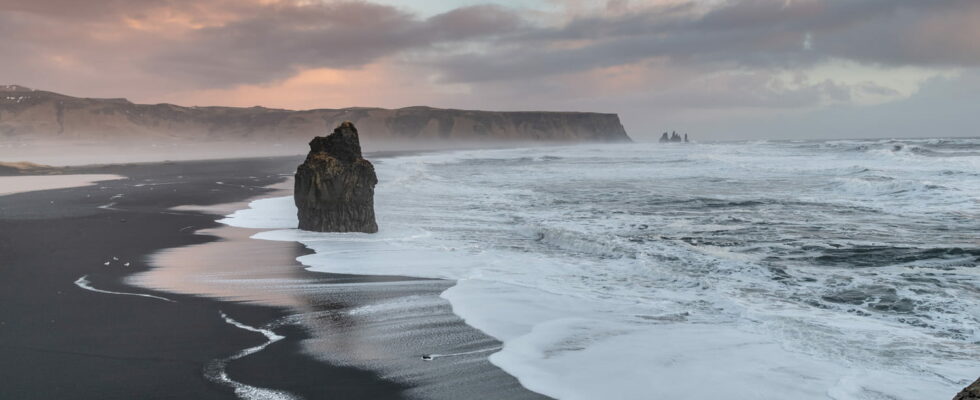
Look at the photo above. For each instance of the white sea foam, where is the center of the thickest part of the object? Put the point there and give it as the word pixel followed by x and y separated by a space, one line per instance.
pixel 84 283
pixel 768 271
pixel 284 216
pixel 216 372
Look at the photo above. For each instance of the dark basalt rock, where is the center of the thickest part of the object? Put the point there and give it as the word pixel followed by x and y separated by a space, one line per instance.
pixel 334 188
pixel 673 138
pixel 971 392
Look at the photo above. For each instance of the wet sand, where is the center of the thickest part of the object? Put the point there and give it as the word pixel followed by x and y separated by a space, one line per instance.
pixel 59 340
pixel 391 325
pixel 77 319
pixel 19 184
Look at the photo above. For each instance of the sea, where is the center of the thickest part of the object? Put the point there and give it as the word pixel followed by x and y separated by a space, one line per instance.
pixel 843 269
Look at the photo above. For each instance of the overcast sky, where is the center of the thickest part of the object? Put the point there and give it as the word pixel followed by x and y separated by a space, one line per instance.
pixel 716 69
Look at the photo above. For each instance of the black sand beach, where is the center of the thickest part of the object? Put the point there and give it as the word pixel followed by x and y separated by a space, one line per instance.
pixel 58 340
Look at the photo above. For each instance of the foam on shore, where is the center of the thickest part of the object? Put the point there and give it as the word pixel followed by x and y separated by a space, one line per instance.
pixel 600 284
pixel 216 371
pixel 84 283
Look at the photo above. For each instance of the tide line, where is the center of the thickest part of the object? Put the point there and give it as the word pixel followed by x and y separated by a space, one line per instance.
pixel 430 357
pixel 216 370
pixel 84 283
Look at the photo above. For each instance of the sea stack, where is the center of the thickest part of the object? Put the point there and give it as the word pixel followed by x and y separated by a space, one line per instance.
pixel 334 189
pixel 971 392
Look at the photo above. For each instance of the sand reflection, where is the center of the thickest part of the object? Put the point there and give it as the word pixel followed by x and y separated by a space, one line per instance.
pixel 380 323
pixel 238 268
pixel 235 268
pixel 19 184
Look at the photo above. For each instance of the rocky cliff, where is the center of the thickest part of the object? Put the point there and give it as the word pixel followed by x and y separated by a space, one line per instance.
pixel 334 187
pixel 971 392
pixel 27 114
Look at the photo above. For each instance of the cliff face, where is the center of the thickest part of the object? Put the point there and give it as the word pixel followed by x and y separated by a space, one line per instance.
pixel 27 114
pixel 971 392
pixel 334 187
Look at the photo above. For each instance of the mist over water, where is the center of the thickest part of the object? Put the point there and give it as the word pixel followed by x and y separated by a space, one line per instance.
pixel 766 270
pixel 96 152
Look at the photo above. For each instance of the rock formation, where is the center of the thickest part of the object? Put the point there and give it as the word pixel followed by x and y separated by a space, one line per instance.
pixel 971 392
pixel 673 138
pixel 334 188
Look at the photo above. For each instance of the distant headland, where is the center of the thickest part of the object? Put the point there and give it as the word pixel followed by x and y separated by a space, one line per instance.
pixel 27 114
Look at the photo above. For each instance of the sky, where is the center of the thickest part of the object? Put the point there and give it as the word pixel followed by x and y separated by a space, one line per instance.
pixel 716 69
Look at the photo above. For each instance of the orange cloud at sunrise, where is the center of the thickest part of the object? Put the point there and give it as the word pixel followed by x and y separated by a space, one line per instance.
pixel 374 85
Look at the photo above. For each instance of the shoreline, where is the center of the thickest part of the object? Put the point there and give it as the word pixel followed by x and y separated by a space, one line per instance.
pixel 399 327
pixel 572 299
pixel 274 330
pixel 61 340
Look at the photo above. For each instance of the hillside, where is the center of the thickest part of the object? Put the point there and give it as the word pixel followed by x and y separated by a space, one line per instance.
pixel 32 115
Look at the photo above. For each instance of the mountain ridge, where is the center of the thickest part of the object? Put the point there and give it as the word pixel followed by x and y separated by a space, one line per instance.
pixel 27 114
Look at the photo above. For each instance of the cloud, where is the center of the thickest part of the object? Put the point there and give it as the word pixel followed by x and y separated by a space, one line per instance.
pixel 373 85
pixel 737 34
pixel 286 38
pixel 221 43
pixel 679 57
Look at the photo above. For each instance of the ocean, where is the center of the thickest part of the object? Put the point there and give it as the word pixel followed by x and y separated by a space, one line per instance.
pixel 842 269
